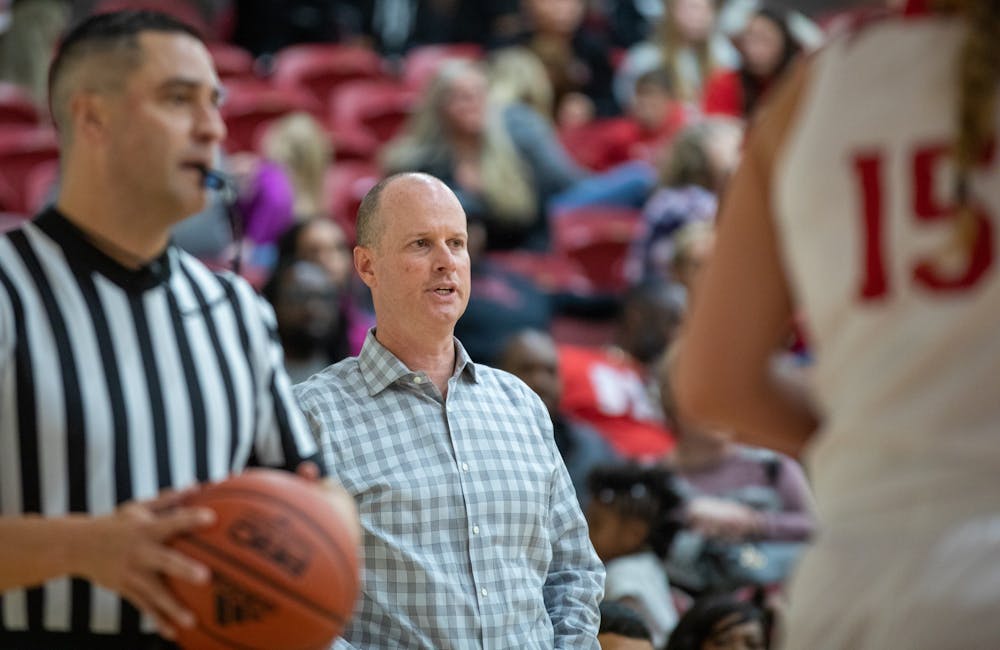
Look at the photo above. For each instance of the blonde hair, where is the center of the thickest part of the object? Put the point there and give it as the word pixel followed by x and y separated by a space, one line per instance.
pixel 424 143
pixel 299 143
pixel 517 75
pixel 688 160
pixel 668 35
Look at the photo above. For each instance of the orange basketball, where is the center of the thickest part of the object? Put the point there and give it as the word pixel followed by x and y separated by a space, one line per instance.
pixel 284 567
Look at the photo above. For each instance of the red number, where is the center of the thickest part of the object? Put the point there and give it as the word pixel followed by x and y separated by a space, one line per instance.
pixel 869 168
pixel 927 208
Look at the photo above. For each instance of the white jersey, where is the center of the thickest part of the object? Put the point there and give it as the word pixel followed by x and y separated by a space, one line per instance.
pixel 906 334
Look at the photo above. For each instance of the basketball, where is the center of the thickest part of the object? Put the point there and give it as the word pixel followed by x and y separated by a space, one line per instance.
pixel 284 567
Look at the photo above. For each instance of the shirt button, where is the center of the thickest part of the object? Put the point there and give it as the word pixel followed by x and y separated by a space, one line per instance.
pixel 417 379
pixel 483 591
pixel 475 530
pixel 465 467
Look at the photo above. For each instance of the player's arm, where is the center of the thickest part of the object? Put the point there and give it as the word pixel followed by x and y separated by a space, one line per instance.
pixel 124 551
pixel 724 375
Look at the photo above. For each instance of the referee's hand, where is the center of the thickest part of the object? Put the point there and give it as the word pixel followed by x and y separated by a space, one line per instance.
pixel 126 552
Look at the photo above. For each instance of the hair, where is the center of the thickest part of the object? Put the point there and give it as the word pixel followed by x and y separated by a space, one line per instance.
pixel 300 144
pixel 979 70
pixel 518 76
pixel 112 39
pixel 668 36
pixel 754 87
pixel 424 144
pixel 684 238
pixel 698 623
pixel 688 161
pixel 618 618
pixel 368 227
pixel 659 78
pixel 647 492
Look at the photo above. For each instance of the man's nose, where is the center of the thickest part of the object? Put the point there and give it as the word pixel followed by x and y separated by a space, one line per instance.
pixel 445 257
pixel 209 124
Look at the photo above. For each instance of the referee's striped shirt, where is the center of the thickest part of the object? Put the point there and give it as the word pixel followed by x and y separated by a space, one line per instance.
pixel 115 384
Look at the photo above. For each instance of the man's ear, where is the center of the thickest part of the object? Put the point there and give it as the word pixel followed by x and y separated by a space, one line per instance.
pixel 90 114
pixel 364 264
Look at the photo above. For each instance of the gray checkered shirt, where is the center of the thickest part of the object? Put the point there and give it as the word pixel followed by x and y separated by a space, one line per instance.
pixel 472 533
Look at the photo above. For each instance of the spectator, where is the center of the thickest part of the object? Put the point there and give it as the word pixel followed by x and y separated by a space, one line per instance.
pixel 299 144
pixel 305 302
pixel 532 357
pixel 654 118
pixel 577 61
pixel 720 622
pixel 622 628
pixel 612 388
pixel 520 87
pixel 687 43
pixel 692 175
pixel 457 135
pixel 768 47
pixel 633 515
pixel 322 242
pixel 472 533
pixel 26 47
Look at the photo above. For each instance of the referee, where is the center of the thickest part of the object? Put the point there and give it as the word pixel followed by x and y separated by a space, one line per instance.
pixel 127 370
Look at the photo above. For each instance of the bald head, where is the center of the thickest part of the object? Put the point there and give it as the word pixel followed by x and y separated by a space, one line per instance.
pixel 395 191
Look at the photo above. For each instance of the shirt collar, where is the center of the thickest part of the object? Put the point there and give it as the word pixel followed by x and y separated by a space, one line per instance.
pixel 78 249
pixel 380 368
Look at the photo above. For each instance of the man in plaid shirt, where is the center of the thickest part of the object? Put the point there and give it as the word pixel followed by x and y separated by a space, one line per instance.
pixel 472 533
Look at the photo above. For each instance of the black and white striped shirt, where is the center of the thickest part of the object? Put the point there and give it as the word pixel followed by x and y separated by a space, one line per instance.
pixel 115 384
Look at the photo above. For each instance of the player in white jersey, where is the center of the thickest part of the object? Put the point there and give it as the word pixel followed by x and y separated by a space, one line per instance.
pixel 869 198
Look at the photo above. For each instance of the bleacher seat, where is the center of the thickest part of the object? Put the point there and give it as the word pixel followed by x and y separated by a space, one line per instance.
pixel 16 105
pixel 598 237
pixel 248 105
pixel 377 107
pixel 422 62
pixel 21 151
pixel 552 272
pixel 321 67
pixel 232 62
pixel 346 185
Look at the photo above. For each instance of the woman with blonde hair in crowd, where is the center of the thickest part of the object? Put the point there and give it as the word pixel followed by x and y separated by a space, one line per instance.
pixel 869 196
pixel 298 142
pixel 687 43
pixel 458 135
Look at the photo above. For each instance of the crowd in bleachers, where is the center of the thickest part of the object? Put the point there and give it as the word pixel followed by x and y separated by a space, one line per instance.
pixel 588 143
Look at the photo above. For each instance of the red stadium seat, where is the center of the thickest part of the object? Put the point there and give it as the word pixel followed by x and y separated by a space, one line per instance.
pixel 21 151
pixel 598 238
pixel 248 105
pixel 422 62
pixel 346 184
pixel 231 61
pixel 552 272
pixel 186 11
pixel 376 107
pixel 16 105
pixel 321 67
pixel 39 184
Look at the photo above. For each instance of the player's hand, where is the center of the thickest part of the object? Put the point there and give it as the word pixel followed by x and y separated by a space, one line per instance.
pixel 722 518
pixel 126 552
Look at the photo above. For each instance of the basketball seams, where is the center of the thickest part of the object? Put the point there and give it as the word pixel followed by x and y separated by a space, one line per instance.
pixel 256 574
pixel 205 498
